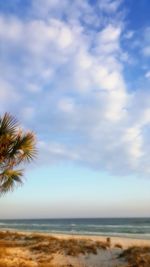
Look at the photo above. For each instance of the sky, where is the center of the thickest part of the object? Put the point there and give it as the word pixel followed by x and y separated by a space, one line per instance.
pixel 77 73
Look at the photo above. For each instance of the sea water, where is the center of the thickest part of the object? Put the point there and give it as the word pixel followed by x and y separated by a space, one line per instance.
pixel 123 227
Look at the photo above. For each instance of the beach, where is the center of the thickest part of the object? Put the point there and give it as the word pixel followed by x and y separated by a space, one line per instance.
pixel 125 242
pixel 28 249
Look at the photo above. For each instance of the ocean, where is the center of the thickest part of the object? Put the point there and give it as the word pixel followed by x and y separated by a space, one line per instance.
pixel 122 227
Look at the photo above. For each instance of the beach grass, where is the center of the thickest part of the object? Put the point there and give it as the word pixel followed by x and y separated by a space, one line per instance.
pixel 137 256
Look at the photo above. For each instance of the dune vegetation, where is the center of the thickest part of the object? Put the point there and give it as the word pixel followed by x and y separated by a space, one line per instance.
pixel 137 256
pixel 31 249
pixel 19 249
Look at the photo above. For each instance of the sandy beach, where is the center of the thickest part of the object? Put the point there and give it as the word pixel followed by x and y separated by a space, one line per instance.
pixel 125 242
pixel 26 249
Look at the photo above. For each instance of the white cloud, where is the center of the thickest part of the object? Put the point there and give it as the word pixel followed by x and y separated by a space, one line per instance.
pixel 147 74
pixel 33 88
pixel 129 34
pixel 133 140
pixel 55 152
pixel 146 51
pixel 10 28
pixel 110 34
pixel 109 5
pixel 108 39
pixel 8 96
pixel 66 105
pixel 70 81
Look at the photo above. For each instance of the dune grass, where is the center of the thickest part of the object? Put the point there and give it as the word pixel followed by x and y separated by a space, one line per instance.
pixel 36 250
pixel 137 256
pixel 49 244
pixel 70 247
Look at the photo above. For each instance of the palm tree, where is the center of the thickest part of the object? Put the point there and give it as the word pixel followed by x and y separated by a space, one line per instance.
pixel 16 148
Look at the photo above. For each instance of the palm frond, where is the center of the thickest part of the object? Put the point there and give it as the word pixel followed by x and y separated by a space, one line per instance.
pixel 16 147
pixel 24 148
pixel 9 179
pixel 8 124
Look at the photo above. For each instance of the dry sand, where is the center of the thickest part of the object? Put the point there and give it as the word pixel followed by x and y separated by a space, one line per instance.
pixel 125 242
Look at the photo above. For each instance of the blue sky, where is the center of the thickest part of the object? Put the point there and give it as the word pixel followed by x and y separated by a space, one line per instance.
pixel 78 74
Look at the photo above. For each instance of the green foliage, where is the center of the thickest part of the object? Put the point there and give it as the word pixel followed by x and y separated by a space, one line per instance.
pixel 16 148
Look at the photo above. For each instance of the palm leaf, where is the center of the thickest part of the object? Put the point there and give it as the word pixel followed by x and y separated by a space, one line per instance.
pixel 8 124
pixel 9 179
pixel 23 148
pixel 15 147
